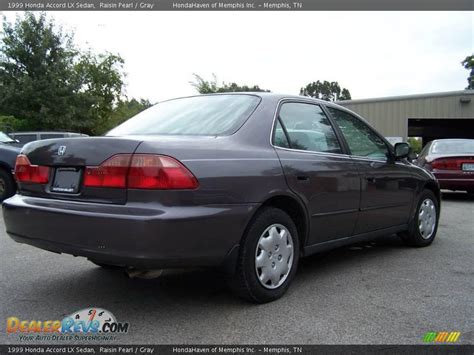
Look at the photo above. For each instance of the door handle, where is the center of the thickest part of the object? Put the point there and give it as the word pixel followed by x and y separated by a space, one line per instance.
pixel 302 178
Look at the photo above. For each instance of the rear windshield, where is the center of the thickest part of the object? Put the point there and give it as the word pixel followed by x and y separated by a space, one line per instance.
pixel 453 147
pixel 212 115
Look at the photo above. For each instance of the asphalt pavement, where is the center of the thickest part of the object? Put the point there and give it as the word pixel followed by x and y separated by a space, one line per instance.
pixel 374 293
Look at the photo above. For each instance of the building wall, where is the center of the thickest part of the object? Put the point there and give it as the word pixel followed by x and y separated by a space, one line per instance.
pixel 390 115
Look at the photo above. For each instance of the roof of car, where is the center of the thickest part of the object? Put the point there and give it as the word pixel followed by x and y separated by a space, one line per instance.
pixel 44 132
pixel 267 95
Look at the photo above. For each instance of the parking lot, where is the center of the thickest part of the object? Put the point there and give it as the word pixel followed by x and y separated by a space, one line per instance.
pixel 375 293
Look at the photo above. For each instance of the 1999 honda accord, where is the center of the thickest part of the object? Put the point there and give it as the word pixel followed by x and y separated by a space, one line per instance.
pixel 248 183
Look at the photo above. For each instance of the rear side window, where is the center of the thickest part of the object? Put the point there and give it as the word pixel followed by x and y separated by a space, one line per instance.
pixel 212 115
pixel 307 127
pixel 52 135
pixel 26 138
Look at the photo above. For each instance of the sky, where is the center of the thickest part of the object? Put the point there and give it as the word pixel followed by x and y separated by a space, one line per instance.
pixel 373 54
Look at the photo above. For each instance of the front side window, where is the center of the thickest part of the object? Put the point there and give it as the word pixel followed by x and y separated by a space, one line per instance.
pixel 362 140
pixel 307 127
pixel 206 115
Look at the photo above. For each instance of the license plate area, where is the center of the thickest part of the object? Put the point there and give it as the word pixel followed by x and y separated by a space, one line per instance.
pixel 468 167
pixel 66 180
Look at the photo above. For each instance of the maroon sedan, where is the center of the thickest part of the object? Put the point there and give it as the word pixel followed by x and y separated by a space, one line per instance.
pixel 451 161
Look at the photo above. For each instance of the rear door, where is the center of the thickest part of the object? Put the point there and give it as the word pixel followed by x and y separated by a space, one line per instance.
pixel 387 186
pixel 317 169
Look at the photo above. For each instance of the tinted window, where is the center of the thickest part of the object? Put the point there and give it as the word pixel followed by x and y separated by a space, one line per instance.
pixel 26 138
pixel 52 135
pixel 200 115
pixel 308 128
pixel 362 140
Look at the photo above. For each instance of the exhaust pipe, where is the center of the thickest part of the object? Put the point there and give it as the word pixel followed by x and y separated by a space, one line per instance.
pixel 143 274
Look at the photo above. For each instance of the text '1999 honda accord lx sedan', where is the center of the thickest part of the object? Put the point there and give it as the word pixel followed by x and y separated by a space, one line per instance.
pixel 247 183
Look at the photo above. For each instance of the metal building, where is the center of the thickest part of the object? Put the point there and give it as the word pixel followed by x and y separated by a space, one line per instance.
pixel 430 116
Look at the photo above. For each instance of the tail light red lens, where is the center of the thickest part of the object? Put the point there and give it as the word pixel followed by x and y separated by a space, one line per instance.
pixel 111 173
pixel 28 173
pixel 140 171
pixel 449 163
pixel 159 172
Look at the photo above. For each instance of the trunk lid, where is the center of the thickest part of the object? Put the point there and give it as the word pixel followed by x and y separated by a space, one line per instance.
pixel 67 159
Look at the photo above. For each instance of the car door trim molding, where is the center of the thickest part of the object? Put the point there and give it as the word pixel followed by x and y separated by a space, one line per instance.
pixel 324 214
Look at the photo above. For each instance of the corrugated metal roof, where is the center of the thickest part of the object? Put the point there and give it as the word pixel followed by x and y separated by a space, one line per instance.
pixel 409 97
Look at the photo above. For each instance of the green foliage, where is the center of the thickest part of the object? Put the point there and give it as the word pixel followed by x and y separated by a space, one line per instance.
pixel 210 86
pixel 329 91
pixel 468 63
pixel 415 144
pixel 11 124
pixel 46 83
pixel 124 110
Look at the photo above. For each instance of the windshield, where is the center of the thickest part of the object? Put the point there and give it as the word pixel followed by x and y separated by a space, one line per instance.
pixel 453 147
pixel 211 115
pixel 5 138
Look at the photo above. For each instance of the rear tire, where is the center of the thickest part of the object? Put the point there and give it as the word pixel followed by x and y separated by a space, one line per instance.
pixel 423 228
pixel 7 185
pixel 268 257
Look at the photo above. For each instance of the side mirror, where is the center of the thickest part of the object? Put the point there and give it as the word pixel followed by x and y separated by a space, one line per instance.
pixel 401 150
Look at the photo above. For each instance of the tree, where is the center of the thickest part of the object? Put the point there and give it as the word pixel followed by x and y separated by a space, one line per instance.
pixel 415 144
pixel 124 110
pixel 101 82
pixel 329 91
pixel 468 63
pixel 210 86
pixel 47 83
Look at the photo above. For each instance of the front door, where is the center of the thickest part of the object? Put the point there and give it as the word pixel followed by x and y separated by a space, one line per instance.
pixel 317 170
pixel 387 186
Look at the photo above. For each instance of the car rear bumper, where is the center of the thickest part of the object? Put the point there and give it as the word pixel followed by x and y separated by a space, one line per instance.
pixel 455 180
pixel 140 235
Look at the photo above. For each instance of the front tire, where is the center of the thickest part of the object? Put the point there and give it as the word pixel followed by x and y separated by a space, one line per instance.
pixel 424 226
pixel 7 185
pixel 268 257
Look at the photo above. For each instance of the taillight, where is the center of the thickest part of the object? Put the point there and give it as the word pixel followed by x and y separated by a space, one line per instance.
pixel 159 172
pixel 449 163
pixel 111 173
pixel 26 172
pixel 140 171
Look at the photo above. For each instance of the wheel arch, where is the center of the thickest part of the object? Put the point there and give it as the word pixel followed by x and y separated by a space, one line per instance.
pixel 433 186
pixel 295 209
